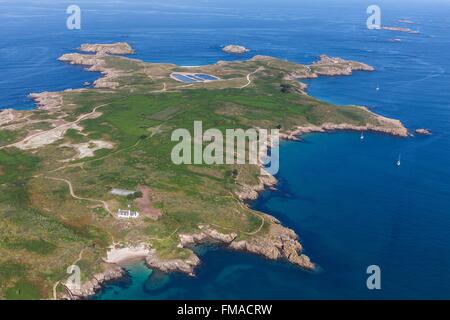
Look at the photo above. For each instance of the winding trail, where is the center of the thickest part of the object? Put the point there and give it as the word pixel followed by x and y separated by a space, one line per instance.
pixel 72 193
pixel 245 208
pixel 249 81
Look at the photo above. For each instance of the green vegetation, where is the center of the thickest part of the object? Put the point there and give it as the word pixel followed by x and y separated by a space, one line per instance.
pixel 43 227
pixel 23 290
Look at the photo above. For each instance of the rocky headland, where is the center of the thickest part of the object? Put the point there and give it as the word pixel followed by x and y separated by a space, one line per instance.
pixel 110 272
pixel 47 100
pixel 95 63
pixel 112 48
pixel 385 126
pixel 332 66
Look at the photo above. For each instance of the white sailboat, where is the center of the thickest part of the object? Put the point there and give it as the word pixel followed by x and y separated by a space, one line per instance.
pixel 362 136
pixel 377 88
pixel 399 161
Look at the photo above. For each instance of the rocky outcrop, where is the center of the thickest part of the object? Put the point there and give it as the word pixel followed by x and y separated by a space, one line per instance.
pixel 276 244
pixel 112 48
pixel 380 125
pixel 47 100
pixel 96 63
pixel 7 116
pixel 206 235
pixel 289 136
pixel 424 132
pixel 91 287
pixel 172 265
pixel 262 58
pixel 279 243
pixel 400 29
pixel 251 192
pixel 328 66
pixel 301 73
pixel 235 49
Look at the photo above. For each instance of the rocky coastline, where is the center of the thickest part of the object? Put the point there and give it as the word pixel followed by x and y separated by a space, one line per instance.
pixel 95 63
pixel 396 129
pixel 332 66
pixel 47 100
pixel 278 243
pixel 110 273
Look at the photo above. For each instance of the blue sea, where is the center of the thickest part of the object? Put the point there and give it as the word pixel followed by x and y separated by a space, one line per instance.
pixel 346 198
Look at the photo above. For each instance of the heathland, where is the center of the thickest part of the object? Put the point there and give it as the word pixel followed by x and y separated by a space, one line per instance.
pixel 59 163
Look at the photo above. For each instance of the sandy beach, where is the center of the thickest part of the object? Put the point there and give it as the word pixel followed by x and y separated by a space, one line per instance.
pixel 126 255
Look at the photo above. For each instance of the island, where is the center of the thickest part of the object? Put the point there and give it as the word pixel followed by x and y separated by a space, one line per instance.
pixel 235 49
pixel 422 131
pixel 86 178
pixel 401 29
pixel 406 21
pixel 122 48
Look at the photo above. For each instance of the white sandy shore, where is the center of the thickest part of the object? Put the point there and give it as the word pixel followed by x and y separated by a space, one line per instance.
pixel 127 254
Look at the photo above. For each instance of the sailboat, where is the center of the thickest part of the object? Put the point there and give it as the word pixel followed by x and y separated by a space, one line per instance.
pixel 362 136
pixel 399 161
pixel 378 88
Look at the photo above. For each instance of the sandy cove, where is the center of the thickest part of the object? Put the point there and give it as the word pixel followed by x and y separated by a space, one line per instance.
pixel 280 243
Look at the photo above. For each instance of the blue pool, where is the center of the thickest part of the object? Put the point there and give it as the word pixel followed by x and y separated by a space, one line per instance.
pixel 193 77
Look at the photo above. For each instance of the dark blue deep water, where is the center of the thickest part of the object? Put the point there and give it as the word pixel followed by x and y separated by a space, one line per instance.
pixel 348 201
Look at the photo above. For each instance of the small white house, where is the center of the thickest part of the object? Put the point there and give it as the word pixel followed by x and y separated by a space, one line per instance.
pixel 122 192
pixel 127 214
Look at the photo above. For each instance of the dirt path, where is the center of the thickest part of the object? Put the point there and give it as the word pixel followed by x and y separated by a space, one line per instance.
pixel 165 238
pixel 249 81
pixel 245 208
pixel 72 193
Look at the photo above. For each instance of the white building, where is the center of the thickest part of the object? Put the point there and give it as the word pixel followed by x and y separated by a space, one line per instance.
pixel 127 214
pixel 122 192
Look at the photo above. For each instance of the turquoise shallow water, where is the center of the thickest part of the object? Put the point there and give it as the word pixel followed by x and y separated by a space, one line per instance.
pixel 350 204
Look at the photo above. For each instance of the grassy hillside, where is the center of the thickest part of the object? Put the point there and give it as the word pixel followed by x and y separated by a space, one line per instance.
pixel 43 227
